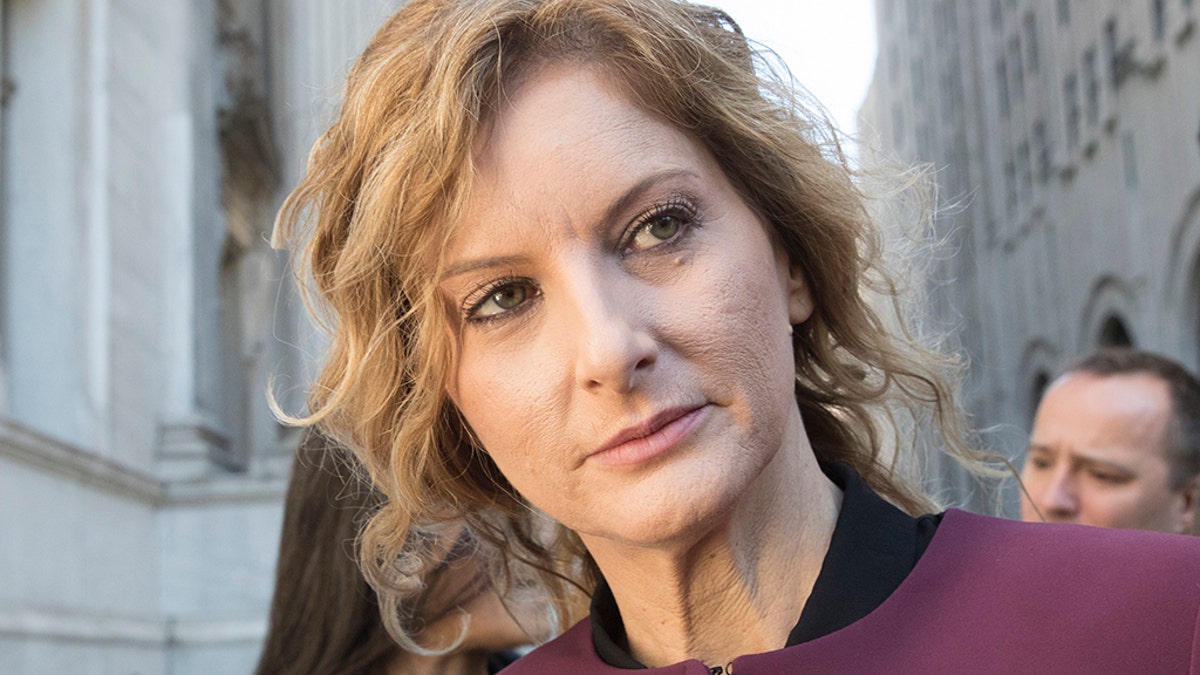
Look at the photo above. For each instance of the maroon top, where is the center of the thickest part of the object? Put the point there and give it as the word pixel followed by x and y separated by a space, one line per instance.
pixel 991 595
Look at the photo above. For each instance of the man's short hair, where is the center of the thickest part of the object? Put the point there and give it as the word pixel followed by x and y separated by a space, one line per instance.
pixel 1183 435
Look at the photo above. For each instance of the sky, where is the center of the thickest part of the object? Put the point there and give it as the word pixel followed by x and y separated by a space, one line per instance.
pixel 829 45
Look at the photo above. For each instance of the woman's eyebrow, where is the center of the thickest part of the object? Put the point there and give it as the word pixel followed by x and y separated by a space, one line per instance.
pixel 614 211
pixel 466 266
pixel 634 193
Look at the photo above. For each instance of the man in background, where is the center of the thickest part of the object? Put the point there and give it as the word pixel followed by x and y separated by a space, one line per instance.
pixel 1116 443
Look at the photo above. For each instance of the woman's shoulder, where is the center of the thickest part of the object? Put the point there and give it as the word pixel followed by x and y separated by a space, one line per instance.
pixel 992 595
pixel 1021 545
pixel 1063 594
pixel 572 652
pixel 1048 575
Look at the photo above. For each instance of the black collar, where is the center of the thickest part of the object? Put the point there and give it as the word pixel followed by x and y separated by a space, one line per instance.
pixel 874 547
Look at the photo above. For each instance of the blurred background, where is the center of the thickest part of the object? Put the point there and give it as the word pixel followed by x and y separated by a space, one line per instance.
pixel 146 144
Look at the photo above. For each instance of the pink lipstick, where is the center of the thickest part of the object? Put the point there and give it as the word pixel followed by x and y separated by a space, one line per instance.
pixel 649 439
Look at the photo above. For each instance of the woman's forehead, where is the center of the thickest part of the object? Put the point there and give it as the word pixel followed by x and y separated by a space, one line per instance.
pixel 567 147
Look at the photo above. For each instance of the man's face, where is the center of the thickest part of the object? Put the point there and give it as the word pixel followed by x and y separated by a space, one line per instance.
pixel 1097 456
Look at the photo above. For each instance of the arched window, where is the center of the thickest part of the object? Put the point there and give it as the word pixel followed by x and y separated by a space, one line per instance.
pixel 1195 307
pixel 1114 333
pixel 1040 382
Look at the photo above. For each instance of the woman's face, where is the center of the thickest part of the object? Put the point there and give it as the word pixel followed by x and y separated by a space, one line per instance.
pixel 623 318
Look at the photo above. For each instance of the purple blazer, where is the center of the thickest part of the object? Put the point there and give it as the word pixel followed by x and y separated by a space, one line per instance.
pixel 991 596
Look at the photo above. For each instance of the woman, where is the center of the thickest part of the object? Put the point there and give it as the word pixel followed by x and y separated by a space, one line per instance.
pixel 324 616
pixel 586 257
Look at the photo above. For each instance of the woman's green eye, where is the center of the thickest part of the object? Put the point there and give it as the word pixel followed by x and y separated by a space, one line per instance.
pixel 508 298
pixel 662 228
pixel 500 299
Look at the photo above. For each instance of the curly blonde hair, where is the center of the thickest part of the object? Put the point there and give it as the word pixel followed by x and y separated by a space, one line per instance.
pixel 384 187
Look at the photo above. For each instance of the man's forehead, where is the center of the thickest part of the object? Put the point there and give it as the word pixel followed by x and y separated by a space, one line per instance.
pixel 1086 455
pixel 1147 386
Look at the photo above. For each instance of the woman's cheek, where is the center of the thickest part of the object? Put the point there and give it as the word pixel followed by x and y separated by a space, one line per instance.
pixel 508 410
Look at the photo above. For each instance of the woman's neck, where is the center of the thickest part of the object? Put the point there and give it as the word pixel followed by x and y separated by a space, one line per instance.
pixel 740 587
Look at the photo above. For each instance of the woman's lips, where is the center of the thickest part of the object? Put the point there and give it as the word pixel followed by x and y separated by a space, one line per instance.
pixel 650 438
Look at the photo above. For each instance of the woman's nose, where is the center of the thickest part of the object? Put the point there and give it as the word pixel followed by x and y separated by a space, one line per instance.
pixel 614 346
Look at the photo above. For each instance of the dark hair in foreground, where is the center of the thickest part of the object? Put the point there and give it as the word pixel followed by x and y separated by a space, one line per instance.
pixel 1183 437
pixel 324 616
pixel 382 196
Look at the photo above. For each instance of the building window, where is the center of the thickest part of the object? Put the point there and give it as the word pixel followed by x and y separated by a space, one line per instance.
pixel 1071 108
pixel 1018 69
pixel 1093 86
pixel 1129 155
pixel 1041 148
pixel 1024 170
pixel 1002 85
pixel 1110 50
pixel 1064 12
pixel 1158 19
pixel 1010 184
pixel 1032 55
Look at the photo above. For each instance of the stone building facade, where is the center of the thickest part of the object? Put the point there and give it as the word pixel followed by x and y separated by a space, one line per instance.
pixel 1066 138
pixel 145 146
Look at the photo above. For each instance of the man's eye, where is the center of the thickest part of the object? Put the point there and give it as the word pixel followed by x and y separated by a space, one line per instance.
pixel 1110 478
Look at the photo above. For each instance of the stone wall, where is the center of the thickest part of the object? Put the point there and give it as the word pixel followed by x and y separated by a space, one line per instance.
pixel 144 148
pixel 1068 134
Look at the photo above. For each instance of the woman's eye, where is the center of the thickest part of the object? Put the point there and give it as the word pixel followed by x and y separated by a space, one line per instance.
pixel 501 300
pixel 657 229
pixel 664 227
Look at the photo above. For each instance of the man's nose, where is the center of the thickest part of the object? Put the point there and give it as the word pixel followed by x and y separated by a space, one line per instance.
pixel 1060 498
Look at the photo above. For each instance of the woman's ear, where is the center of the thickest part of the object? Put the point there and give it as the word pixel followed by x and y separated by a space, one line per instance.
pixel 800 300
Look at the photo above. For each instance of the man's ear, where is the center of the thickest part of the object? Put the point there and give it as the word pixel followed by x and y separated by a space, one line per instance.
pixel 800 299
pixel 1190 496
